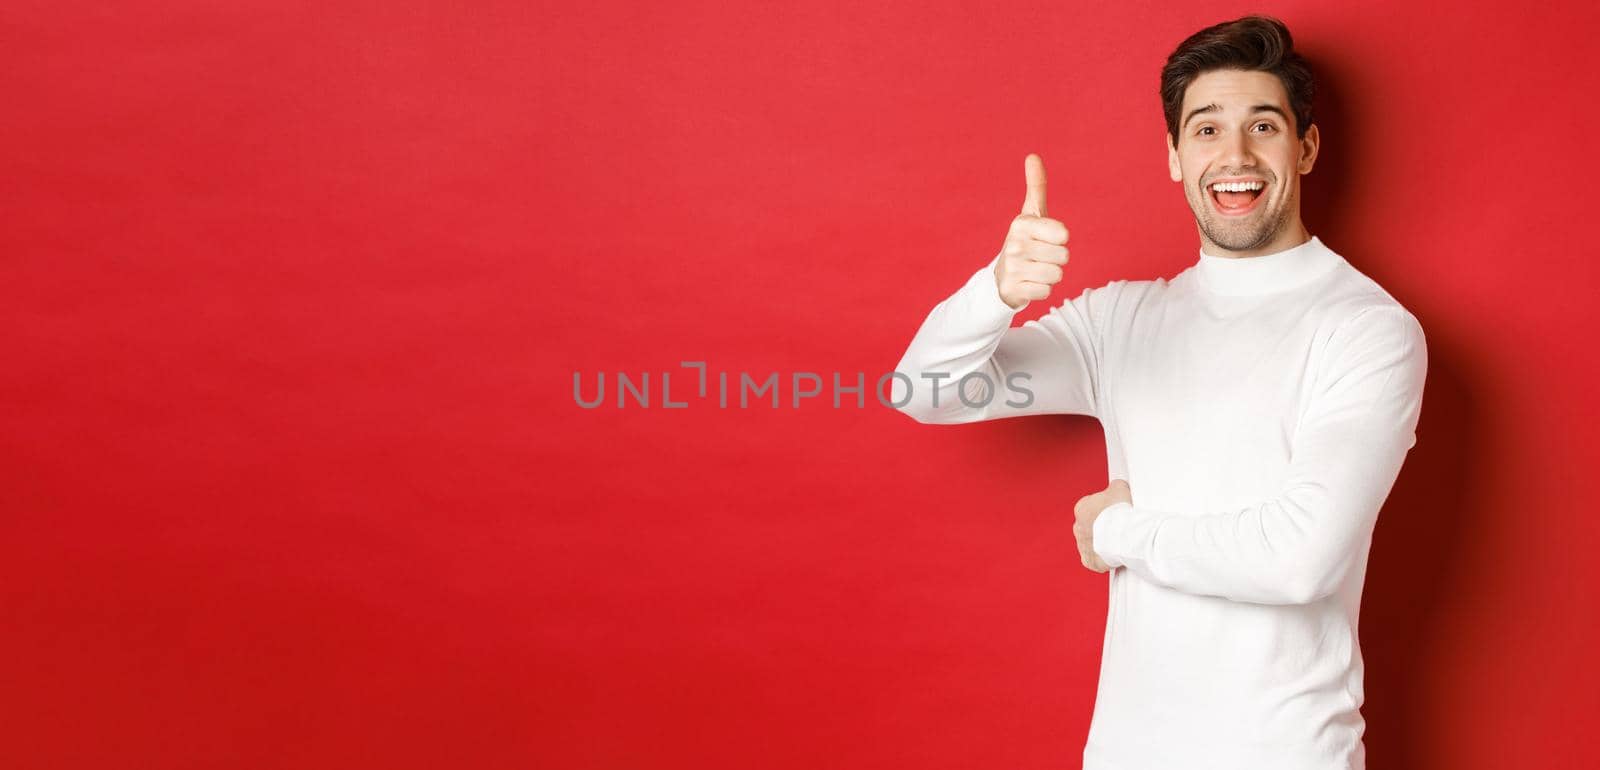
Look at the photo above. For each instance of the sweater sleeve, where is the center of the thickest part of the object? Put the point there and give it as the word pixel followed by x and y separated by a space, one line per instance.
pixel 1346 453
pixel 966 363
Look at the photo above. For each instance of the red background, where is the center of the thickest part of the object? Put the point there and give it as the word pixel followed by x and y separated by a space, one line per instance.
pixel 293 295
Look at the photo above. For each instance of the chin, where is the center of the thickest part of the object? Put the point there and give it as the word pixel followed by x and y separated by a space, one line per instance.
pixel 1241 236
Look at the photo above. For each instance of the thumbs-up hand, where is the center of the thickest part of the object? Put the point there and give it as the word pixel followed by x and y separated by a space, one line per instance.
pixel 1036 246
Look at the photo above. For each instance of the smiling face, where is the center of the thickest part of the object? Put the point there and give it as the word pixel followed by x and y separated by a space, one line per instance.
pixel 1240 162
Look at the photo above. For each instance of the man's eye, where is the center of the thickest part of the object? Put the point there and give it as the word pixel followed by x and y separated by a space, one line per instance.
pixel 1267 126
pixel 1204 129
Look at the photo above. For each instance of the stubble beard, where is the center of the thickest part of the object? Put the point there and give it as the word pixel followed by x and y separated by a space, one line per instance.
pixel 1232 236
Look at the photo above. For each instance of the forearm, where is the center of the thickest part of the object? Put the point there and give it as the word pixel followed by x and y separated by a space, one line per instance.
pixel 1045 366
pixel 958 338
pixel 1293 549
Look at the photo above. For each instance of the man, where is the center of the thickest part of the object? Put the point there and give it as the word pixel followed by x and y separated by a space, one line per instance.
pixel 1257 408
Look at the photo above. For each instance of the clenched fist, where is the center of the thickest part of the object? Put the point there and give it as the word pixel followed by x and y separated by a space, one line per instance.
pixel 1088 509
pixel 1036 247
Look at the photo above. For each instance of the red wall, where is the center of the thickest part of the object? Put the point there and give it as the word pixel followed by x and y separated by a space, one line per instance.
pixel 294 293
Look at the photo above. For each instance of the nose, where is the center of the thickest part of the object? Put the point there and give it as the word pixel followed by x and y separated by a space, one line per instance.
pixel 1236 152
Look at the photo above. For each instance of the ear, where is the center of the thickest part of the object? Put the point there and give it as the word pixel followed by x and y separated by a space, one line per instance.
pixel 1174 170
pixel 1309 144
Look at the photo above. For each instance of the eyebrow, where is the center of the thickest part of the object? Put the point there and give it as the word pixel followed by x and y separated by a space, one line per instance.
pixel 1213 107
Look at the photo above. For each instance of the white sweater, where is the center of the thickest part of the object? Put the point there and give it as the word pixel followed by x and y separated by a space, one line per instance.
pixel 1260 409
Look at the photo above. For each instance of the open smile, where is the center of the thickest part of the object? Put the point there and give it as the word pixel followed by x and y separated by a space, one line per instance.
pixel 1236 196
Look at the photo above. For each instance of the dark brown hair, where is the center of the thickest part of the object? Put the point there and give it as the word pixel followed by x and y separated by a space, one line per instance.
pixel 1251 43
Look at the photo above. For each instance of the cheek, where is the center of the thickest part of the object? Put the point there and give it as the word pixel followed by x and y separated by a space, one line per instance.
pixel 1190 169
pixel 1287 162
pixel 1195 164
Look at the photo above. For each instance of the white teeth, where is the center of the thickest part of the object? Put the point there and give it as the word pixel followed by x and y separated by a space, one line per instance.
pixel 1237 186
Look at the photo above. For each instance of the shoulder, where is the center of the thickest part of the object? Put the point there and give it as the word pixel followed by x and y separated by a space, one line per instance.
pixel 1101 299
pixel 1356 307
pixel 1105 309
pixel 1368 336
pixel 1122 294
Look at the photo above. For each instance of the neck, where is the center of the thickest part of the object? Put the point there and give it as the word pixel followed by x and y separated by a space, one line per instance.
pixel 1288 238
pixel 1265 273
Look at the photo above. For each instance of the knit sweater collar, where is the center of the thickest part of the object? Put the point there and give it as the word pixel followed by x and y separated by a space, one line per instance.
pixel 1267 273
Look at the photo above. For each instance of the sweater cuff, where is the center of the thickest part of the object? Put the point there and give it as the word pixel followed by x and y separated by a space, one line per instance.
pixel 1110 533
pixel 984 291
